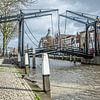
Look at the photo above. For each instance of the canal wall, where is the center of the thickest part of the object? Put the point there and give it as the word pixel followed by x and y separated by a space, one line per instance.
pixel 9 61
pixel 58 57
pixel 95 60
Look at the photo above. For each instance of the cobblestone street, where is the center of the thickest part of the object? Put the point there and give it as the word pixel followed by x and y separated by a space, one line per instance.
pixel 12 86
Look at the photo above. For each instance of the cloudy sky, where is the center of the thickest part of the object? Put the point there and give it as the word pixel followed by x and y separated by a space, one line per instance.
pixel 39 26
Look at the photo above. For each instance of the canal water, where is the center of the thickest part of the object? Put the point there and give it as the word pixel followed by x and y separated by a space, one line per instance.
pixel 70 81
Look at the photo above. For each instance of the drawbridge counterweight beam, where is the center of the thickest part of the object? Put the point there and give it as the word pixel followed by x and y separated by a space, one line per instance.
pixel 81 15
pixel 4 19
pixel 73 18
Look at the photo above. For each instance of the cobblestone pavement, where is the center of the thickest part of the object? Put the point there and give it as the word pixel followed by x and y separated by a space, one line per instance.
pixel 12 86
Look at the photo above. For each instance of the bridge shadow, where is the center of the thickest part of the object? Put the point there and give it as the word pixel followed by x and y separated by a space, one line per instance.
pixel 33 85
pixel 20 89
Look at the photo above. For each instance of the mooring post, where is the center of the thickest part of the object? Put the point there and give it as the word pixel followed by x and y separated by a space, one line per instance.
pixel 45 73
pixel 26 63
pixel 19 59
pixel 31 61
pixel 30 55
pixel 70 57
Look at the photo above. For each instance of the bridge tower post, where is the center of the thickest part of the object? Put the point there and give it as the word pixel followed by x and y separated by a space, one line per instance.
pixel 22 56
pixel 21 39
pixel 19 44
pixel 95 38
pixel 86 46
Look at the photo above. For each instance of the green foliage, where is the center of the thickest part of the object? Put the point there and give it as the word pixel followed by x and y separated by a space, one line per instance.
pixel 8 8
pixel 37 97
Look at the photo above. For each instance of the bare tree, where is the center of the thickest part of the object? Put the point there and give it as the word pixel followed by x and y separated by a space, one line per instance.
pixel 7 7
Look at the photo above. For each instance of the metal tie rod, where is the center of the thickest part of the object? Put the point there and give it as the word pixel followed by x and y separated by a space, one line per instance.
pixel 28 14
pixel 37 16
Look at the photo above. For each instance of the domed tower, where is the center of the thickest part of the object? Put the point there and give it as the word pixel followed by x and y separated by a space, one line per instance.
pixel 49 34
pixel 48 41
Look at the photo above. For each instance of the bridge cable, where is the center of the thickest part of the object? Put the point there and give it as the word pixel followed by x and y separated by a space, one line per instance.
pixel 65 24
pixel 52 24
pixel 59 36
pixel 30 39
pixel 31 32
pixel 58 22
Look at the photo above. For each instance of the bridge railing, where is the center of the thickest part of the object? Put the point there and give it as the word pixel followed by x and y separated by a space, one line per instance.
pixel 77 50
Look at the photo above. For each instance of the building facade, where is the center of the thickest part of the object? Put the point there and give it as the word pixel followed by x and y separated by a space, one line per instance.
pixel 47 41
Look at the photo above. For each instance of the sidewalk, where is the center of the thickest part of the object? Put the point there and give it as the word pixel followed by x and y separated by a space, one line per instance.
pixel 12 86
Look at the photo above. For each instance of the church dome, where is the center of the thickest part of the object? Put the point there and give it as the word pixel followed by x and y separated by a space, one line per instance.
pixel 49 34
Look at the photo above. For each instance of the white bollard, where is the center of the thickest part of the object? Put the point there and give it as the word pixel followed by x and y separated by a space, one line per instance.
pixel 31 61
pixel 19 59
pixel 45 73
pixel 26 63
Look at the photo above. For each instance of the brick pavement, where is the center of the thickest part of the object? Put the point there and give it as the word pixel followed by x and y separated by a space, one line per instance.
pixel 12 86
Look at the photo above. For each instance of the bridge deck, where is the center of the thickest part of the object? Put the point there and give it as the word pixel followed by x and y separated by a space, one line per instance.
pixel 68 51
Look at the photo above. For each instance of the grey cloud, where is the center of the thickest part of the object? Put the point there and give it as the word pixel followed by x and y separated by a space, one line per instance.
pixel 40 26
pixel 89 6
pixel 86 6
